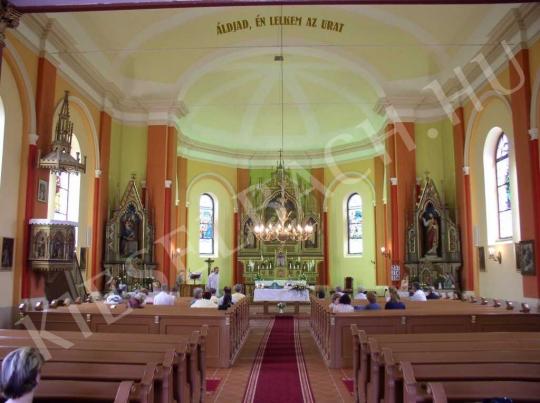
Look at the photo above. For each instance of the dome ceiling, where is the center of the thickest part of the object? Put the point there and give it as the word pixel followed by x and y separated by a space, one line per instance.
pixel 337 67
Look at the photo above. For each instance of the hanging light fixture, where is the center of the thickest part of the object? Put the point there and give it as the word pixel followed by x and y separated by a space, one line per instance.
pixel 60 160
pixel 285 230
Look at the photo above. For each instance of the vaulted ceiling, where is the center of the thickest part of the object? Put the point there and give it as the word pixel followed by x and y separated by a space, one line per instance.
pixel 227 85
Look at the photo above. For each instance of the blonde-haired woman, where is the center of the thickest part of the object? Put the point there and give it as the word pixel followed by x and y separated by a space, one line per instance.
pixel 20 374
pixel 394 301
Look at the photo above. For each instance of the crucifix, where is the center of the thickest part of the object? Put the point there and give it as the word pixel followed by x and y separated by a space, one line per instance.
pixel 209 262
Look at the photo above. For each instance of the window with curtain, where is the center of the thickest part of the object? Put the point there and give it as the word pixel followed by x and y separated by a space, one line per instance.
pixel 502 180
pixel 355 243
pixel 206 225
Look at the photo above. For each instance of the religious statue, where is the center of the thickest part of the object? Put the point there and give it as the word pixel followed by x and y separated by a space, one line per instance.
pixel 431 231
pixel 249 236
pixel 129 234
pixel 280 259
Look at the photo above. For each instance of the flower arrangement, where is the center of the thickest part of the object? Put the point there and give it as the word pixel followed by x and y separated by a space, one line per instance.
pixel 298 287
pixel 281 306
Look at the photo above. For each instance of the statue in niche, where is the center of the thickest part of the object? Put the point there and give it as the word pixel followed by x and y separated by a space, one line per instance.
pixel 57 249
pixel 41 245
pixel 249 236
pixel 129 224
pixel 280 259
pixel 431 223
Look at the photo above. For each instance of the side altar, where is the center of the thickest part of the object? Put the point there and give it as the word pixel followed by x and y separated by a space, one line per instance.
pixel 275 259
pixel 129 242
pixel 433 251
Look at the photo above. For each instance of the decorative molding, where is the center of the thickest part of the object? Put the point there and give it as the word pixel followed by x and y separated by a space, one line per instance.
pixel 9 18
pixel 466 170
pixel 98 173
pixel 533 134
pixel 168 183
pixel 394 181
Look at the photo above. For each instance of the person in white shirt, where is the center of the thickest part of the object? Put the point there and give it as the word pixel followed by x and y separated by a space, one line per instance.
pixel 418 294
pixel 204 302
pixel 237 296
pixel 344 305
pixel 213 279
pixel 214 297
pixel 361 293
pixel 164 298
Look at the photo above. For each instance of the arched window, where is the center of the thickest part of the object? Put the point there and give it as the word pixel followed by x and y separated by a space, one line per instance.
pixel 68 191
pixel 207 212
pixel 355 243
pixel 504 195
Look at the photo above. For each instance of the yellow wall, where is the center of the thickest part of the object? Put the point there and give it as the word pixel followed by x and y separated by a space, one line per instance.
pixel 361 268
pixel 128 157
pixel 12 133
pixel 435 154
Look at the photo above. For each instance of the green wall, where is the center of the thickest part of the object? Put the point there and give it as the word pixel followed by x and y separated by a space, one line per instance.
pixel 128 156
pixel 435 154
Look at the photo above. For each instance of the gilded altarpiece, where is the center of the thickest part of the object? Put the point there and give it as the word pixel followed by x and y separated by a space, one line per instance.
pixel 129 241
pixel 269 260
pixel 433 252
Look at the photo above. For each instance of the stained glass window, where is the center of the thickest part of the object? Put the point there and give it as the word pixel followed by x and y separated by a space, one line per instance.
pixel 355 218
pixel 206 224
pixel 504 195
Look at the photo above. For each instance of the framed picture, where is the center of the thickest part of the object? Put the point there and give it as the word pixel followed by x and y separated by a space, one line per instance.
pixel 7 253
pixel 527 258
pixel 43 190
pixel 481 258
pixel 517 250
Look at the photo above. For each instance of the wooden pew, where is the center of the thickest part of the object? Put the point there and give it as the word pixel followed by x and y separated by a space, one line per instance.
pixel 362 352
pixel 413 374
pixel 442 392
pixel 448 357
pixel 188 365
pixel 73 391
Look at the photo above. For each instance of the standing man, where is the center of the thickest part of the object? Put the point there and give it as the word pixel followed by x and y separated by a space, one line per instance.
pixel 213 280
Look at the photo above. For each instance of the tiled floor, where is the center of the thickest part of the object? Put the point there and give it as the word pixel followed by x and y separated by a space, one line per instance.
pixel 326 383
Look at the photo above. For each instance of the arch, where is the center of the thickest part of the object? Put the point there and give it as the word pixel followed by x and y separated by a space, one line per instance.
pixel 13 59
pixel 473 118
pixel 534 101
pixel 344 176
pixel 81 106
pixel 218 177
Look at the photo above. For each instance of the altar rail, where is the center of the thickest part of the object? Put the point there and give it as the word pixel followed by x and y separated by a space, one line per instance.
pixel 332 332
pixel 227 330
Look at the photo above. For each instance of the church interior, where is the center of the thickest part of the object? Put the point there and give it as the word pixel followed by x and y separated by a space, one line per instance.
pixel 294 151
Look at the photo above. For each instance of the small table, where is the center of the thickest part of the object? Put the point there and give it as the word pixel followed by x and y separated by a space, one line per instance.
pixel 266 295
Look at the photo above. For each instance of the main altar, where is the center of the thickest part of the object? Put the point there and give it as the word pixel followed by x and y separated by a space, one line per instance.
pixel 280 260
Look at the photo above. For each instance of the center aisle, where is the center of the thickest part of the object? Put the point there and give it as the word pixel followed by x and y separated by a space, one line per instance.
pixel 279 370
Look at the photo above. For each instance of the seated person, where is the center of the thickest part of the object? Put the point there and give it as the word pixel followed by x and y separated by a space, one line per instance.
pixel 335 301
pixel 163 297
pixel 372 302
pixel 214 297
pixel 226 301
pixel 418 294
pixel 394 301
pixel 432 294
pixel 237 295
pixel 361 293
pixel 321 294
pixel 344 304
pixel 20 374
pixel 205 301
pixel 197 294
pixel 339 290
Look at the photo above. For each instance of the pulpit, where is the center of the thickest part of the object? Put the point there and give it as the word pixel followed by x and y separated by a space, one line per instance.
pixel 129 242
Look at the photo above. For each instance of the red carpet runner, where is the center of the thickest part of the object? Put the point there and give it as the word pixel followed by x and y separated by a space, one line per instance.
pixel 279 371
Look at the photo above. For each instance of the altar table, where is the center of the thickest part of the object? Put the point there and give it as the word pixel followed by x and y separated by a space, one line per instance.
pixel 292 297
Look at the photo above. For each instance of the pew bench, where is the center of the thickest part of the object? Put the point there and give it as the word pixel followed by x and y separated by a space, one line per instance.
pixel 415 374
pixel 443 392
pixel 85 392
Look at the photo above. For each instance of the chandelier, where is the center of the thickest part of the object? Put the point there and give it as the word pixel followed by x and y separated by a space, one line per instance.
pixel 285 230
pixel 60 160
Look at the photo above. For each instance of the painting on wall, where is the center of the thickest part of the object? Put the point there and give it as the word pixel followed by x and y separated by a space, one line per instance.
pixel 481 258
pixel 7 253
pixel 527 261
pixel 43 189
pixel 517 250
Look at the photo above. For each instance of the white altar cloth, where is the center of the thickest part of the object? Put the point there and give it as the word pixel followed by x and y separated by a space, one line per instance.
pixel 280 295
